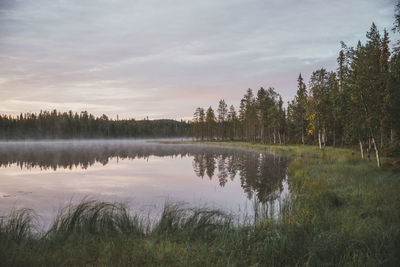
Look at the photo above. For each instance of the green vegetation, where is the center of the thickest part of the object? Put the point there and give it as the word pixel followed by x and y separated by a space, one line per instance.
pixel 344 212
pixel 306 151
pixel 69 125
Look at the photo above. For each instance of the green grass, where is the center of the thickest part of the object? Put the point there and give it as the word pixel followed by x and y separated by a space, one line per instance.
pixel 306 151
pixel 344 212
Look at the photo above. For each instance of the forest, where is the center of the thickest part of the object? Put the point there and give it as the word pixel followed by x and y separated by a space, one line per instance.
pixel 358 104
pixel 50 125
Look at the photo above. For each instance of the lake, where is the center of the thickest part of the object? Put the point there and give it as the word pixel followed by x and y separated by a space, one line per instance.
pixel 48 175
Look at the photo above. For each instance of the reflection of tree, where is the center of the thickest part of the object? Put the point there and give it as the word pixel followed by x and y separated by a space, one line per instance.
pixel 199 165
pixel 83 154
pixel 260 174
pixel 265 176
pixel 248 166
pixel 232 165
pixel 222 170
pixel 210 164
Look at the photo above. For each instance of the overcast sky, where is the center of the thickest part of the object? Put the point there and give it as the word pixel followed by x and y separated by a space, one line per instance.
pixel 162 59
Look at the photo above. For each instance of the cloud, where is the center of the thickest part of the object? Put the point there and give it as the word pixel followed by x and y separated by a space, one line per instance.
pixel 167 57
pixel 7 4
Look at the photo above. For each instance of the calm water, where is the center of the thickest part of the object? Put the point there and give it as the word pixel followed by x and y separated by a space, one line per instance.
pixel 48 175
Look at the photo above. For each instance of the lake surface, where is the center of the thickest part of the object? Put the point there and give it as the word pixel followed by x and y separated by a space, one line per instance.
pixel 47 175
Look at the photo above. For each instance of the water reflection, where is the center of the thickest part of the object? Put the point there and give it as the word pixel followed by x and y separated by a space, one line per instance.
pixel 80 154
pixel 260 174
pixel 139 173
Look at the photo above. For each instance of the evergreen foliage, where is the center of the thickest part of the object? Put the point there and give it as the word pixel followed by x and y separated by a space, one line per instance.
pixel 357 104
pixel 73 125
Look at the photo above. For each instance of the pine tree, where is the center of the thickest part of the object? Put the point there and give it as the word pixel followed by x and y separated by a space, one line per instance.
pixel 397 22
pixel 248 115
pixel 300 108
pixel 222 116
pixel 210 122
pixel 385 129
pixel 335 108
pixel 318 115
pixel 232 122
pixel 262 109
pixel 198 123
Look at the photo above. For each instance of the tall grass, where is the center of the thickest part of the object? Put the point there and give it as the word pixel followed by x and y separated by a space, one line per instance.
pixel 95 218
pixel 343 212
pixel 18 225
pixel 192 222
pixel 301 235
pixel 97 232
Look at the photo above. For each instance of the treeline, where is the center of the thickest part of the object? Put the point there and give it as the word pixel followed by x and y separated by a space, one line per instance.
pixel 356 104
pixel 84 125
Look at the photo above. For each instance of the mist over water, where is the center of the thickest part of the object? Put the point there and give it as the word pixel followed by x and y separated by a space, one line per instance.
pixel 47 175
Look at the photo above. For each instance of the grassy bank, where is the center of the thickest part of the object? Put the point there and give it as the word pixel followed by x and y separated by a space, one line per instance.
pixel 344 212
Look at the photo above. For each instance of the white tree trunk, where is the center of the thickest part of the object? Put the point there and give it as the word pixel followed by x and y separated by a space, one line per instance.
pixel 361 149
pixel 378 157
pixel 319 139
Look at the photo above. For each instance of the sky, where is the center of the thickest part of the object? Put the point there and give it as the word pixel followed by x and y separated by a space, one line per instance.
pixel 162 59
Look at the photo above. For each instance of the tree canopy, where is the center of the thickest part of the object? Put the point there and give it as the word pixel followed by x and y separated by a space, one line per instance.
pixel 356 104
